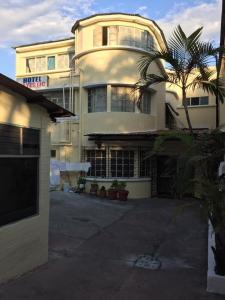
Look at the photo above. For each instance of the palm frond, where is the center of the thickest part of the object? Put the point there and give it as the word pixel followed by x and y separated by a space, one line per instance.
pixel 193 39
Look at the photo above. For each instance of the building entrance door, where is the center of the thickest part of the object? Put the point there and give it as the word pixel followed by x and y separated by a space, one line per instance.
pixel 166 176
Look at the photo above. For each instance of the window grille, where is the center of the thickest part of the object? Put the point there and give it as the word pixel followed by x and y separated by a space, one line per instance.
pixel 122 163
pixel 97 158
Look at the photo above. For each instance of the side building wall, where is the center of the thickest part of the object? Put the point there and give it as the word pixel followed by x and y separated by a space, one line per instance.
pixel 24 244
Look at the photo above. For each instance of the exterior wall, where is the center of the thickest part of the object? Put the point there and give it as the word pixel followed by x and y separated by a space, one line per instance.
pixel 137 188
pixel 202 116
pixel 47 49
pixel 116 65
pixel 105 65
pixel 24 244
pixel 64 140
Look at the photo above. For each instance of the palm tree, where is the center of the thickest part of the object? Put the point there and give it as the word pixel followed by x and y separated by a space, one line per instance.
pixel 187 60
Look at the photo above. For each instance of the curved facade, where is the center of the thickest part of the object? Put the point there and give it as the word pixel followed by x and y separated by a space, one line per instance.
pixel 112 133
pixel 108 48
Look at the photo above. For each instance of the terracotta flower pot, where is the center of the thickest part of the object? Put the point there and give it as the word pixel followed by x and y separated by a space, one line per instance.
pixel 122 195
pixel 94 189
pixel 112 194
pixel 102 193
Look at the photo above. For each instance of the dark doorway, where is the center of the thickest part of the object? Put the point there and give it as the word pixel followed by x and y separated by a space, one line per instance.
pixel 166 176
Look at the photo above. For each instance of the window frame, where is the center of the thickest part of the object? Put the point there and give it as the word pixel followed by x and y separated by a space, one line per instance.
pixel 93 171
pixel 189 101
pixel 27 59
pixel 124 102
pixel 48 57
pixel 92 102
pixel 144 164
pixel 101 37
pixel 146 107
pixel 29 149
pixel 119 161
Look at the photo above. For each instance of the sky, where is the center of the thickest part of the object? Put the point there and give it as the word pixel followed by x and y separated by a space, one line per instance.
pixel 25 21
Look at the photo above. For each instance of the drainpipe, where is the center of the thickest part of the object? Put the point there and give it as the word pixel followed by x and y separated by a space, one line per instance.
pixel 81 113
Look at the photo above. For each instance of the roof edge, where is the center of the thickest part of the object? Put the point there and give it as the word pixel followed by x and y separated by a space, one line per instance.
pixel 44 42
pixel 33 97
pixel 75 26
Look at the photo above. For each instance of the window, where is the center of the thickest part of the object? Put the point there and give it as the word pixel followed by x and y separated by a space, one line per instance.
pixel 126 36
pixel 60 98
pixel 97 99
pixel 104 36
pixel 71 63
pixel 63 61
pixel 122 35
pixel 53 153
pixel 30 65
pixel 145 103
pixel 41 64
pixel 123 99
pixel 122 163
pixel 144 164
pixel 51 62
pixel 19 172
pixel 97 158
pixel 197 101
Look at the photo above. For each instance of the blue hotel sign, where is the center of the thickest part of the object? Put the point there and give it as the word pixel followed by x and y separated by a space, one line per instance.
pixel 35 82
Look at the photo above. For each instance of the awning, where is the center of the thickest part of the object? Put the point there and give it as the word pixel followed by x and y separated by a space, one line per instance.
pixel 127 136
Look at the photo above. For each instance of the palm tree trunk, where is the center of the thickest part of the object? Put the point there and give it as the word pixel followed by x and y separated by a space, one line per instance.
pixel 217 94
pixel 186 110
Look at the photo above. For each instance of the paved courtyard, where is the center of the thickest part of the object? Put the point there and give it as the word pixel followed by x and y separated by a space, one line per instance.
pixel 95 245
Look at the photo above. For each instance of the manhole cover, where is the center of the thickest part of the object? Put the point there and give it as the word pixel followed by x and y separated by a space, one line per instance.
pixel 148 262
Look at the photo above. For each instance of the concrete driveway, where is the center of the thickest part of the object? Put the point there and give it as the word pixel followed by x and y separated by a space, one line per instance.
pixel 95 246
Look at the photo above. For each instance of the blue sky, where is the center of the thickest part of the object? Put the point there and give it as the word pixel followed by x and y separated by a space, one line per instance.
pixel 25 21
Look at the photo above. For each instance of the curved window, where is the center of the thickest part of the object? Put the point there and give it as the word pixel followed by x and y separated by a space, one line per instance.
pixel 97 99
pixel 122 99
pixel 145 103
pixel 122 35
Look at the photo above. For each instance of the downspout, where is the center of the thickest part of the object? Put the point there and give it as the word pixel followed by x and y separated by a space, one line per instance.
pixel 81 114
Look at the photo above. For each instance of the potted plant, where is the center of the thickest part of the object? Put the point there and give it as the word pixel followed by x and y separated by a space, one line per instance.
pixel 94 188
pixel 122 192
pixel 102 192
pixel 112 192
